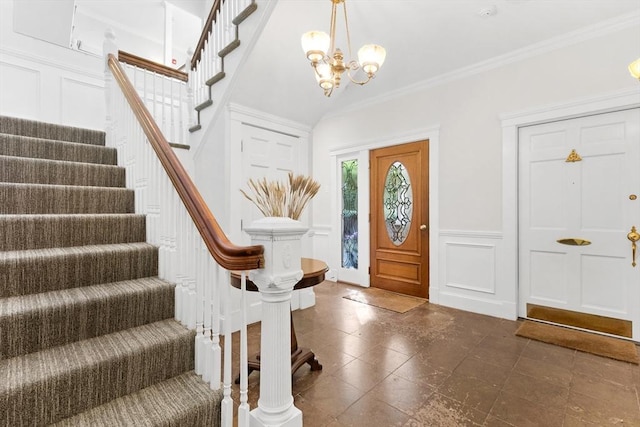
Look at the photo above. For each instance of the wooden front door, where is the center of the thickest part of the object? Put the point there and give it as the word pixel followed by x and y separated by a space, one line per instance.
pixel 400 218
pixel 579 188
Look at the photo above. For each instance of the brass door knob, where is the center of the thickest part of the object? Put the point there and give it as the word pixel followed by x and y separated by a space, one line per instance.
pixel 423 227
pixel 633 236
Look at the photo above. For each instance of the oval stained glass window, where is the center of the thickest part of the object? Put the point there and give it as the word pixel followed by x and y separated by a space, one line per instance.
pixel 397 203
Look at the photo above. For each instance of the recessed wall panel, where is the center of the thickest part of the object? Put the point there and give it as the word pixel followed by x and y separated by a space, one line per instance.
pixel 471 267
pixel 19 91
pixel 82 104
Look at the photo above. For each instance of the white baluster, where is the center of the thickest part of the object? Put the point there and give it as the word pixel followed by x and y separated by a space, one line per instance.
pixel 243 409
pixel 215 303
pixel 200 337
pixel 208 289
pixel 227 402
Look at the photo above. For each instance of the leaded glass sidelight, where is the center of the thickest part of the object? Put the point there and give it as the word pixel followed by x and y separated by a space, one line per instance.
pixel 398 203
pixel 350 214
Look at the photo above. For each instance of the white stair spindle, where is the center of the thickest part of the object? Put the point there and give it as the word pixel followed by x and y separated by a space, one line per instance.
pixel 243 409
pixel 227 402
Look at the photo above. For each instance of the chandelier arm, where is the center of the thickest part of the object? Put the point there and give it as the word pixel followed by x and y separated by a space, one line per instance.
pixel 346 24
pixel 358 82
pixel 332 29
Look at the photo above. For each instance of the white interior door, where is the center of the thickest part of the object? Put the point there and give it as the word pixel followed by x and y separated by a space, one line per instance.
pixel 266 154
pixel 591 199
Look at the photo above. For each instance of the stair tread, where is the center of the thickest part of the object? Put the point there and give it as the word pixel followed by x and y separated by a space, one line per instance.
pixel 50 363
pixel 59 298
pixel 37 129
pixel 68 315
pixel 73 250
pixel 42 270
pixel 20 198
pixel 59 172
pixel 37 231
pixel 164 403
pixel 42 148
pixel 50 385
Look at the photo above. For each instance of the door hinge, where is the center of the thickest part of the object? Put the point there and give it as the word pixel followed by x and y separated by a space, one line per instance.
pixel 369 270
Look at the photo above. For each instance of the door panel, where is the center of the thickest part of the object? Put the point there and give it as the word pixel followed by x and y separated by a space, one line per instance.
pixel 399 207
pixel 587 199
pixel 266 154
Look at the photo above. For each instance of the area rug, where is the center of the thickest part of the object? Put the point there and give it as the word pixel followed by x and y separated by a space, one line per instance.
pixel 613 348
pixel 385 299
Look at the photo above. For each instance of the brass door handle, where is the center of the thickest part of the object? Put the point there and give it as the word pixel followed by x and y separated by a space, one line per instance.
pixel 633 236
pixel 423 227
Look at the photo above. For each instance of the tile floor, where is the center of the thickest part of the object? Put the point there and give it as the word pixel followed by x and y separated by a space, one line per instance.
pixel 436 366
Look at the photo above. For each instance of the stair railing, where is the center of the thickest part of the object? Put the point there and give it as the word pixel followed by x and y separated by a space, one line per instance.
pixel 194 252
pixel 165 92
pixel 219 37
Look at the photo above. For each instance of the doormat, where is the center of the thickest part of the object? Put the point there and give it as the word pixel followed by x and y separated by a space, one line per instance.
pixel 385 299
pixel 613 348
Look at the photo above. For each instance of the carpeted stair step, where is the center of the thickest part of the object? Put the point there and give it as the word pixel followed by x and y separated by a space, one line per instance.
pixel 37 148
pixel 57 172
pixel 22 232
pixel 184 400
pixel 31 323
pixel 63 199
pixel 57 383
pixel 45 270
pixel 24 127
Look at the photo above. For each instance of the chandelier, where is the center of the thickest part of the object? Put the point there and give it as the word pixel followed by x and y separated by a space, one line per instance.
pixel 328 61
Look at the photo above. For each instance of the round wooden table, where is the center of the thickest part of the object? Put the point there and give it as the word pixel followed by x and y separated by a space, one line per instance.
pixel 313 271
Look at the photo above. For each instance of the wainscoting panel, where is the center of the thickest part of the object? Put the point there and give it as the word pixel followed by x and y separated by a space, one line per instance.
pixel 20 89
pixel 38 86
pixel 472 274
pixel 471 267
pixel 75 110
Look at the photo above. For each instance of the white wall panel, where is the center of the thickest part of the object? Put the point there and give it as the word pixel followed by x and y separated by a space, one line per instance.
pixel 82 103
pixel 20 89
pixel 470 267
pixel 471 274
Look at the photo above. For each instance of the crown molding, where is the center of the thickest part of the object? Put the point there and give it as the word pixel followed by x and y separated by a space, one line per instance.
pixel 631 20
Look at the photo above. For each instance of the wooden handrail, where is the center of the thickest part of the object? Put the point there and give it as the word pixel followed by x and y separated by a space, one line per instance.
pixel 137 61
pixel 228 255
pixel 208 25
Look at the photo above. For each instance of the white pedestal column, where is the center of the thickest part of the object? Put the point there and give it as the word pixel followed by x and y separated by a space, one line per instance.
pixel 281 240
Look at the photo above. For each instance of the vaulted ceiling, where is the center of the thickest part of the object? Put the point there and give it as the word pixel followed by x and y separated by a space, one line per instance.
pixel 424 39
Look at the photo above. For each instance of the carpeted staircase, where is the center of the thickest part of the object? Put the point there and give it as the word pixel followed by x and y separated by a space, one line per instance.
pixel 87 336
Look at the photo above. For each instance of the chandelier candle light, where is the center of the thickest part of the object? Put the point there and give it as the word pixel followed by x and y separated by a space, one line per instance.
pixel 328 61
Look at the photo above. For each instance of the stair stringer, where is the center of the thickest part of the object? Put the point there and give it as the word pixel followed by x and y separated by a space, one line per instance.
pixel 249 31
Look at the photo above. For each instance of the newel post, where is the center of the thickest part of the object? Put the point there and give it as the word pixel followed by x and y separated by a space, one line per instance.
pixel 281 238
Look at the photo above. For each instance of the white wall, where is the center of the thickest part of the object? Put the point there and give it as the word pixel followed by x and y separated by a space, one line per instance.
pixel 467 110
pixel 43 81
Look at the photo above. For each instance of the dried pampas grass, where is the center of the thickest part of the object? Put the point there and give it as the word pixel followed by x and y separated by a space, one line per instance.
pixel 274 198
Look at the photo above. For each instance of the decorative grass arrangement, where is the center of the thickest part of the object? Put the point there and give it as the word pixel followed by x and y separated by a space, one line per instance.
pixel 274 198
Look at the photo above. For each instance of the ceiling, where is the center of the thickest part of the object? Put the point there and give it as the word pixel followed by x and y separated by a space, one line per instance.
pixel 424 39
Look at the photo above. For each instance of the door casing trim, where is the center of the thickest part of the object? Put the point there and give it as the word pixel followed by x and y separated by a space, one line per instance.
pixel 432 133
pixel 511 122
